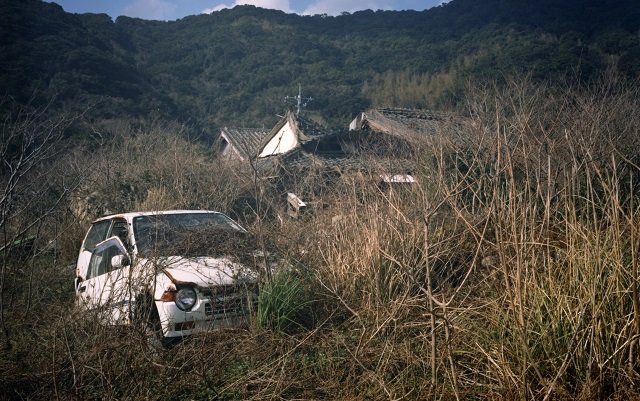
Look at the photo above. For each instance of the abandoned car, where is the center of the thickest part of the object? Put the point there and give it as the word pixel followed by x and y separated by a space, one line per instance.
pixel 175 273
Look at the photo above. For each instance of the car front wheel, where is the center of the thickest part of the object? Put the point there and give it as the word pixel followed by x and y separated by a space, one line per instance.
pixel 147 320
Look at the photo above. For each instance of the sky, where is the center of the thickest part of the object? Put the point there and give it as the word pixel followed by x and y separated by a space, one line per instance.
pixel 168 10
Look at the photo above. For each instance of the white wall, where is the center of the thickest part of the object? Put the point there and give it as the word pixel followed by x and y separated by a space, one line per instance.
pixel 284 141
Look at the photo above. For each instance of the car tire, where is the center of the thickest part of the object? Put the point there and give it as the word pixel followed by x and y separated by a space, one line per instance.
pixel 148 321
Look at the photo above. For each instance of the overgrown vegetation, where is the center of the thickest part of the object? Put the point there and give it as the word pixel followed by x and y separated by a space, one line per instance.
pixel 508 271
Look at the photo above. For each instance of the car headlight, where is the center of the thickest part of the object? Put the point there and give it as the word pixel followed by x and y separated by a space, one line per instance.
pixel 185 298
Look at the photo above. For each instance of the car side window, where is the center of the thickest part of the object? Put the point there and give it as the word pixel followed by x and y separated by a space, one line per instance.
pixel 120 229
pixel 101 261
pixel 97 233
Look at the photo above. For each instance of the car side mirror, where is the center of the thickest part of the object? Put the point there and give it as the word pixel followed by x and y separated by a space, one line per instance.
pixel 119 261
pixel 109 242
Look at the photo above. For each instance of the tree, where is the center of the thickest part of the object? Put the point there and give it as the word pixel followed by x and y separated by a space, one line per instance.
pixel 29 140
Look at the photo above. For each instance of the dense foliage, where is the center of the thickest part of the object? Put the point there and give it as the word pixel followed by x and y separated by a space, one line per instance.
pixel 234 67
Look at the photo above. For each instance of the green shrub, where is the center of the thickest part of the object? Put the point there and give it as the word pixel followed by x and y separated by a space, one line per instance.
pixel 285 303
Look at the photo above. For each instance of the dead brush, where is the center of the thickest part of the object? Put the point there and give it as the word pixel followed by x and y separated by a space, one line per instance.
pixel 399 264
pixel 510 271
pixel 564 229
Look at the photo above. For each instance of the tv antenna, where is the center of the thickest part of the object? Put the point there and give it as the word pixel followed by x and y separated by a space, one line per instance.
pixel 300 101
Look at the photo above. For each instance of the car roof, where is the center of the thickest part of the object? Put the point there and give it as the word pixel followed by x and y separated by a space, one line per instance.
pixel 131 215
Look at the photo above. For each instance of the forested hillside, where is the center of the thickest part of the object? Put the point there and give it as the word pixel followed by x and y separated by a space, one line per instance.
pixel 236 66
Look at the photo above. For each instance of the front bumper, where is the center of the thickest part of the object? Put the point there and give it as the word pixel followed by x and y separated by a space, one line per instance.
pixel 215 308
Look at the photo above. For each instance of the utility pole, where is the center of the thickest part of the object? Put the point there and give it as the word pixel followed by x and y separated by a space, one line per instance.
pixel 300 101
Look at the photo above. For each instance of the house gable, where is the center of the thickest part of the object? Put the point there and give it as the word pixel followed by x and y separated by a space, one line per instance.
pixel 285 140
pixel 290 133
pixel 240 143
pixel 227 150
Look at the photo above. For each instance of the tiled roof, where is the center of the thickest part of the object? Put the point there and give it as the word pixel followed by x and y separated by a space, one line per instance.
pixel 310 129
pixel 248 141
pixel 301 160
pixel 408 123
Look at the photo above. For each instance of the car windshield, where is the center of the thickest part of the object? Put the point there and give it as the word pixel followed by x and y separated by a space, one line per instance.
pixel 187 234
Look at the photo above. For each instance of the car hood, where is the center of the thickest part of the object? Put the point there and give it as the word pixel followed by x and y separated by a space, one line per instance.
pixel 205 271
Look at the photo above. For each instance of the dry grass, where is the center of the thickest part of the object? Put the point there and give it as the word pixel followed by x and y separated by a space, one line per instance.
pixel 510 271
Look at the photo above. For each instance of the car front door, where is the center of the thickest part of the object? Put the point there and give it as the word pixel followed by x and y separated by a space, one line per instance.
pixel 107 289
pixel 96 234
